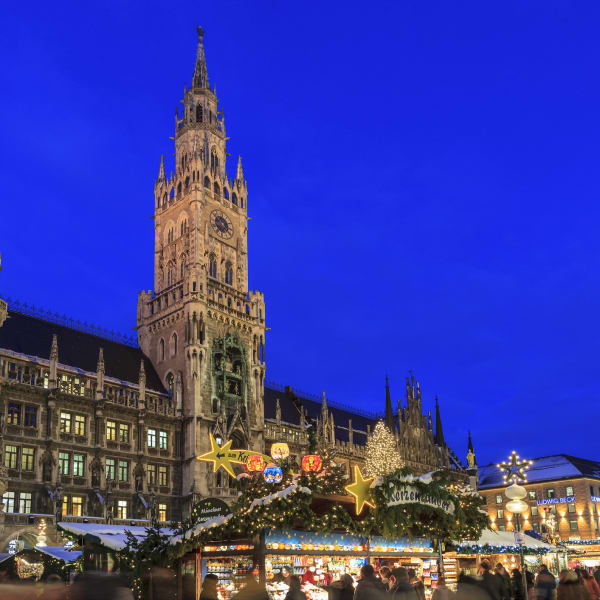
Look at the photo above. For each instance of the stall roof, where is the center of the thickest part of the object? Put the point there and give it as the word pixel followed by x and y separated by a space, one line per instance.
pixel 110 536
pixel 60 553
pixel 5 556
pixel 507 538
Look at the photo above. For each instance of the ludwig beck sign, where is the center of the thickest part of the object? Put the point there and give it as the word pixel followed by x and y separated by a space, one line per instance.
pixel 408 494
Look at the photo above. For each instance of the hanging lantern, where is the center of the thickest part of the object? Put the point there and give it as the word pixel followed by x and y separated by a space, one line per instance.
pixel 311 463
pixel 280 450
pixel 255 464
pixel 273 474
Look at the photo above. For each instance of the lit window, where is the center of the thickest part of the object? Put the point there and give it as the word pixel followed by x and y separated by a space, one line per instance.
pixel 500 514
pixel 162 440
pixel 30 416
pixel 162 475
pixel 77 506
pixel 501 527
pixel 532 495
pixel 550 493
pixel 569 490
pixel 78 465
pixel 571 507
pixel 111 431
pixel 573 526
pixel 162 512
pixel 25 502
pixel 63 463
pixel 14 414
pixel 121 509
pixel 9 502
pixel 151 471
pixel 79 425
pixel 123 470
pixel 110 469
pixel 124 433
pixel 151 438
pixel 534 511
pixel 27 459
pixel 10 457
pixel 65 422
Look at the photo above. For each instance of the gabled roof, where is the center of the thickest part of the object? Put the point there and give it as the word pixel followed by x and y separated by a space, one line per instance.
pixel 545 468
pixel 32 336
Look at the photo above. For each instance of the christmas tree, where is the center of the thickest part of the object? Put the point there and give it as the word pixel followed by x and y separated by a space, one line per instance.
pixel 382 456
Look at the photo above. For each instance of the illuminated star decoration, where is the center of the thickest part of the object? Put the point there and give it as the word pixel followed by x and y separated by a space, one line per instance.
pixel 361 490
pixel 218 455
pixel 515 468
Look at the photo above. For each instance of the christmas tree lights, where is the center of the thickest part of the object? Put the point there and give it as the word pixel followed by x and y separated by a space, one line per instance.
pixel 382 456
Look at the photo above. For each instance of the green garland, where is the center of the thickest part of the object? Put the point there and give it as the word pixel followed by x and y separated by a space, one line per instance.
pixel 490 549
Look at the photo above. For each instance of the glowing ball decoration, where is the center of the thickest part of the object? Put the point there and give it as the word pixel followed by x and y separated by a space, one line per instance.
pixel 255 464
pixel 273 474
pixel 311 463
pixel 280 450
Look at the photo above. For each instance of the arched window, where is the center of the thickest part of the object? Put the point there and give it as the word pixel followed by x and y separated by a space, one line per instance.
pixel 184 227
pixel 220 297
pixel 229 302
pixel 228 274
pixel 226 193
pixel 242 202
pixel 165 199
pixel 172 194
pixel 217 189
pixel 247 309
pixel 207 182
pixel 212 266
pixel 179 189
pixel 161 350
pixel 199 114
pixel 170 383
pixel 187 182
pixel 174 344
pixel 234 198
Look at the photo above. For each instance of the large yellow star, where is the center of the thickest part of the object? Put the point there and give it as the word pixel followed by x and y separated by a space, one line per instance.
pixel 361 490
pixel 219 456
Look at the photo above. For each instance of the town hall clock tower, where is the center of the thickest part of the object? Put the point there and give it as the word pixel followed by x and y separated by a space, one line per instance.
pixel 202 328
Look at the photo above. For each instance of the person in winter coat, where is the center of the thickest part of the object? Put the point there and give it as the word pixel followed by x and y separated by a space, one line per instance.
pixel 384 576
pixel 516 584
pixel 419 587
pixel 401 588
pixel 369 587
pixel 309 576
pixel 209 587
pixel 441 592
pixel 505 577
pixel 591 584
pixel 545 584
pixel 252 590
pixel 597 575
pixel 343 589
pixel 569 587
pixel 493 584
pixel 295 592
pixel 470 588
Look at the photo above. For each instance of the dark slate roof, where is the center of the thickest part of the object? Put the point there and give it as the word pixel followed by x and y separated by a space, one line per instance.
pixel 290 413
pixel 546 468
pixel 33 336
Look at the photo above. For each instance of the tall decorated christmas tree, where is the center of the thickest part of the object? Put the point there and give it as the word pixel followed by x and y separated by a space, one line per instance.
pixel 382 456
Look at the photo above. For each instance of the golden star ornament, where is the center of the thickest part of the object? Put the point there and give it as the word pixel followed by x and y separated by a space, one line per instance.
pixel 361 490
pixel 219 456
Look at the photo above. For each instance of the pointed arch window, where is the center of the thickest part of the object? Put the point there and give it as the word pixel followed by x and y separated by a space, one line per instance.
pixel 179 189
pixel 161 350
pixel 174 344
pixel 226 193
pixel 207 182
pixel 216 189
pixel 212 266
pixel 234 199
pixel 199 114
pixel 170 383
pixel 228 274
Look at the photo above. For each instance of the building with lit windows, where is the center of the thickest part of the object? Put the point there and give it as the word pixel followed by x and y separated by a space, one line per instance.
pixel 563 493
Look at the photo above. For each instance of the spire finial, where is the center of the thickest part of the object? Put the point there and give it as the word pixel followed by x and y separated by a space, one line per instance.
pixel 239 175
pixel 389 414
pixel 439 432
pixel 161 168
pixel 200 73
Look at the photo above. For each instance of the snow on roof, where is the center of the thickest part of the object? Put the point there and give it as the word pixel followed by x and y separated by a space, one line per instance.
pixel 110 536
pixel 507 538
pixel 546 468
pixel 60 553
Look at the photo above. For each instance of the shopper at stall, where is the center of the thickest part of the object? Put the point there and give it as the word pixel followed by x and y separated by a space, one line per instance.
pixel 490 582
pixel 569 587
pixel 384 576
pixel 252 590
pixel 343 589
pixel 471 588
pixel 209 587
pixel 295 592
pixel 545 584
pixel 369 587
pixel 517 585
pixel 442 592
pixel 417 583
pixel 309 576
pixel 285 575
pixel 591 584
pixel 505 577
pixel 401 588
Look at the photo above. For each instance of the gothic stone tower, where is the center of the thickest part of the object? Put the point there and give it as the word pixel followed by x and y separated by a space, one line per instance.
pixel 202 328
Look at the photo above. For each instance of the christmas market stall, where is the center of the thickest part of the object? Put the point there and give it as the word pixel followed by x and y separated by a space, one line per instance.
pixel 36 564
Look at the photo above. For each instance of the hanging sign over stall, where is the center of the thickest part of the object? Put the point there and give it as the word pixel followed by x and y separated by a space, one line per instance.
pixel 223 456
pixel 408 494
pixel 209 508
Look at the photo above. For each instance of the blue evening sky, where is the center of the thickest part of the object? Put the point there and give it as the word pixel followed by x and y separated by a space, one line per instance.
pixel 423 186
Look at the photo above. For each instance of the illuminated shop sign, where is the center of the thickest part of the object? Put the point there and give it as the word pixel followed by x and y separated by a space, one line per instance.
pixel 595 498
pixel 558 500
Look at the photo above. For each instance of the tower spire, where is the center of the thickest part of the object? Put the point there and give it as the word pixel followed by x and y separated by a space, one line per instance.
pixel 389 414
pixel 439 432
pixel 239 175
pixel 161 169
pixel 200 73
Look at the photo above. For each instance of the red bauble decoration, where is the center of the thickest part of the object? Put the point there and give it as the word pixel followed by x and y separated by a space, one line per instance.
pixel 311 463
pixel 255 464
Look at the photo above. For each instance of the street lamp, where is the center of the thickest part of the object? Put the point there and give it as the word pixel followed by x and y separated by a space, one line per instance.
pixel 514 471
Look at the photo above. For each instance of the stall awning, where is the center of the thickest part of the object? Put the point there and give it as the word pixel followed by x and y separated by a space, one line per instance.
pixel 59 552
pixel 506 539
pixel 112 537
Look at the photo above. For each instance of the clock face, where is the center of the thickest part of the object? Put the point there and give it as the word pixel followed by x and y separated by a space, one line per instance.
pixel 221 224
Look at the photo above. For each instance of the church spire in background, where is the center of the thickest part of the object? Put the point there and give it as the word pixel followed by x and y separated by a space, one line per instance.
pixel 200 73
pixel 439 432
pixel 389 414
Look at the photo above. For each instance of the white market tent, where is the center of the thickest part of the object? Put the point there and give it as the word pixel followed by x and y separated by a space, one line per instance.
pixel 506 539
pixel 112 537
